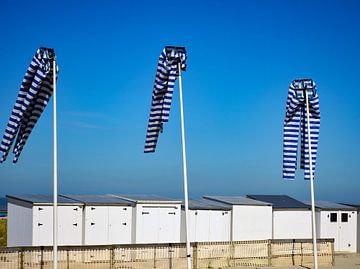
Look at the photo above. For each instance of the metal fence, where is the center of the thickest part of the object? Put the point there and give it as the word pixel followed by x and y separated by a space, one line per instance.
pixel 172 256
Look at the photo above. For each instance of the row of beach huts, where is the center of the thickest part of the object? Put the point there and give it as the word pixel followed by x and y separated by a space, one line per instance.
pixel 142 219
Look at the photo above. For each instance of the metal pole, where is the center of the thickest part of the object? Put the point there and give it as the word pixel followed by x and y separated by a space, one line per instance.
pixel 313 221
pixel 186 199
pixel 55 213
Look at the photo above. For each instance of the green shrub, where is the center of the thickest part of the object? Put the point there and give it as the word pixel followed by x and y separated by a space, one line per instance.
pixel 3 233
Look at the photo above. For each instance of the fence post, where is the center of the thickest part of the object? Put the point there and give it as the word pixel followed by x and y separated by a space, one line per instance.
pixel 170 255
pixel 67 259
pixel 232 254
pixel 195 255
pixel 112 257
pixel 269 252
pixel 293 252
pixel 42 257
pixel 332 252
pixel 22 258
pixel 302 254
pixel 154 257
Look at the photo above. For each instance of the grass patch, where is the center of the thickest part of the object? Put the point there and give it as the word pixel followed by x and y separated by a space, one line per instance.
pixel 3 233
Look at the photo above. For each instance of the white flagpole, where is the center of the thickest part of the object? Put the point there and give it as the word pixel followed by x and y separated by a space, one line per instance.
pixel 186 199
pixel 313 221
pixel 55 194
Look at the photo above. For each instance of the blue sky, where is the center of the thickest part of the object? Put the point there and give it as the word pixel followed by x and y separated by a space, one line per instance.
pixel 242 57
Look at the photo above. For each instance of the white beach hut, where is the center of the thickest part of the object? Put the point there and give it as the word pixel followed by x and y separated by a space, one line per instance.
pixel 209 221
pixel 250 219
pixel 357 206
pixel 155 219
pixel 106 219
pixel 30 221
pixel 291 218
pixel 337 221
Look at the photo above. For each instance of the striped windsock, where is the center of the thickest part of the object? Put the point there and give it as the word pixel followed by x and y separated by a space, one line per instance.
pixel 295 122
pixel 35 92
pixel 166 75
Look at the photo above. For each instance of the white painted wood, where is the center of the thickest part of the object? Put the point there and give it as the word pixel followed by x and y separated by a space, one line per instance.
pixel 292 224
pixel 329 229
pixel 207 225
pixel 43 226
pixel 20 226
pixel 120 224
pixel 220 224
pixel 251 222
pixel 202 226
pixel 70 225
pixel 96 225
pixel 347 231
pixel 344 233
pixel 157 223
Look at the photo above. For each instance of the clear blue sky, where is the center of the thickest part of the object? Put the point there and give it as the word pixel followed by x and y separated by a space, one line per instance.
pixel 242 57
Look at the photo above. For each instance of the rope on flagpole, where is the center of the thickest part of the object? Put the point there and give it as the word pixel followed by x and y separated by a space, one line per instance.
pixel 186 199
pixel 55 194
pixel 313 221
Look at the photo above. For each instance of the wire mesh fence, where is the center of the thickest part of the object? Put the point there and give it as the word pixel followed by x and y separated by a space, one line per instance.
pixel 172 256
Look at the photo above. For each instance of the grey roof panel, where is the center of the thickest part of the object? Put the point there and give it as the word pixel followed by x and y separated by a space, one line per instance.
pixel 236 200
pixel 42 199
pixel 98 199
pixel 206 204
pixel 326 205
pixel 352 205
pixel 280 201
pixel 144 198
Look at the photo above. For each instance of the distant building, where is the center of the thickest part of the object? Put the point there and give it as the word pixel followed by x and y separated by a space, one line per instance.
pixel 291 218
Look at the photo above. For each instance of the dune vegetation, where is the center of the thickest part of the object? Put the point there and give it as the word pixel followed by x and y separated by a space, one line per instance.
pixel 3 227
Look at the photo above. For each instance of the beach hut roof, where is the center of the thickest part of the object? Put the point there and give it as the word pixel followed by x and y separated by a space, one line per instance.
pixel 147 199
pixel 98 199
pixel 205 204
pixel 326 205
pixel 280 201
pixel 237 200
pixel 40 199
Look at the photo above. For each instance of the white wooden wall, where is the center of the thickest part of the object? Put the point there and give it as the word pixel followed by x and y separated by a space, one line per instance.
pixel 220 226
pixel 207 225
pixel 105 225
pixel 19 231
pixel 344 233
pixel 251 222
pixel 120 224
pixel 157 223
pixel 69 225
pixel 292 224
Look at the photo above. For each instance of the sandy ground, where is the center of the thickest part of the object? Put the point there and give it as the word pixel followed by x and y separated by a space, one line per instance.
pixel 342 261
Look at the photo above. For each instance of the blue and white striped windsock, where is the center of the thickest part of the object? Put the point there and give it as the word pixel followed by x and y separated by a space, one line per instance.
pixel 35 92
pixel 166 75
pixel 295 122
